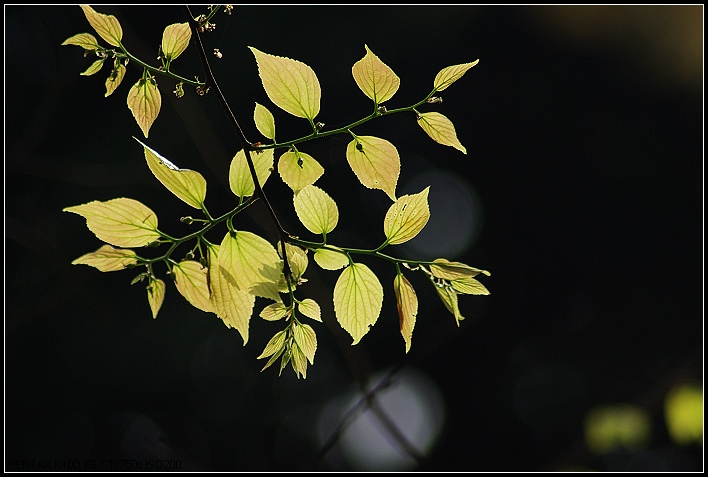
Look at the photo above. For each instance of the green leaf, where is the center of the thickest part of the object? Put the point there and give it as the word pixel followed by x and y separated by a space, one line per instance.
pixel 297 259
pixel 188 185
pixel 329 259
pixel 306 340
pixel 240 179
pixel 107 26
pixel 265 123
pixel 407 217
pixel 274 311
pixel 175 39
pixel 121 222
pixel 94 68
pixel 310 308
pixel 469 286
pixel 358 296
pixel 252 262
pixel 440 129
pixel 116 78
pixel 299 170
pixel 192 282
pixel 156 294
pixel 375 162
pixel 316 210
pixel 232 305
pixel 407 305
pixel 449 299
pixel 449 75
pixel 290 84
pixel 85 40
pixel 108 259
pixel 375 78
pixel 275 344
pixel 298 361
pixel 144 102
pixel 442 268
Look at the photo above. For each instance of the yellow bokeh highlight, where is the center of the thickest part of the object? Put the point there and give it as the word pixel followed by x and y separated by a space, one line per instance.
pixel 622 425
pixel 683 411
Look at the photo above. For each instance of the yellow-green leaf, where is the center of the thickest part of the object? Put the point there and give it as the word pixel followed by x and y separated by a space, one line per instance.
pixel 375 162
pixel 94 68
pixel 442 268
pixel 407 217
pixel 449 299
pixel 240 179
pixel 265 123
pixel 192 282
pixel 449 75
pixel 175 40
pixel 316 210
pixel 290 84
pixel 144 102
pixel 298 361
pixel 375 78
pixel 252 262
pixel 115 79
pixel 440 129
pixel 358 296
pixel 108 259
pixel 156 294
pixel 299 170
pixel 107 26
pixel 232 305
pixel 274 311
pixel 297 259
pixel 310 308
pixel 407 305
pixel 188 185
pixel 121 222
pixel 85 40
pixel 329 259
pixel 274 345
pixel 306 340
pixel 469 286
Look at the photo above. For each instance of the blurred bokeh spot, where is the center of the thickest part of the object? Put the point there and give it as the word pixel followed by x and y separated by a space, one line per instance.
pixel 610 427
pixel 683 409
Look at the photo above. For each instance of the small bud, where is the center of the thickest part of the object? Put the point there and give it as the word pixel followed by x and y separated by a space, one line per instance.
pixel 434 99
pixel 228 9
pixel 179 92
pixel 187 220
pixel 217 53
pixel 189 256
pixel 381 109
pixel 319 126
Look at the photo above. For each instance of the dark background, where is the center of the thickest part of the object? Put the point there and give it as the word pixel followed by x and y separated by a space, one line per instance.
pixel 583 127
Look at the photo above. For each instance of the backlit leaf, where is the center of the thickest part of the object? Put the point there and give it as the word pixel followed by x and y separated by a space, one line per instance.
pixel 156 294
pixel 442 268
pixel 449 299
pixel 232 305
pixel 297 259
pixel 298 361
pixel 144 102
pixel 85 40
pixel 121 222
pixel 306 340
pixel 358 296
pixel 290 84
pixel 240 178
pixel 309 308
pixel 115 78
pixel 469 286
pixel 191 280
pixel 440 129
pixel 316 210
pixel 449 75
pixel 375 78
pixel 94 68
pixel 265 123
pixel 188 185
pixel 175 40
pixel 108 259
pixel 375 162
pixel 329 259
pixel 274 312
pixel 407 304
pixel 407 217
pixel 252 262
pixel 274 345
pixel 299 170
pixel 107 26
